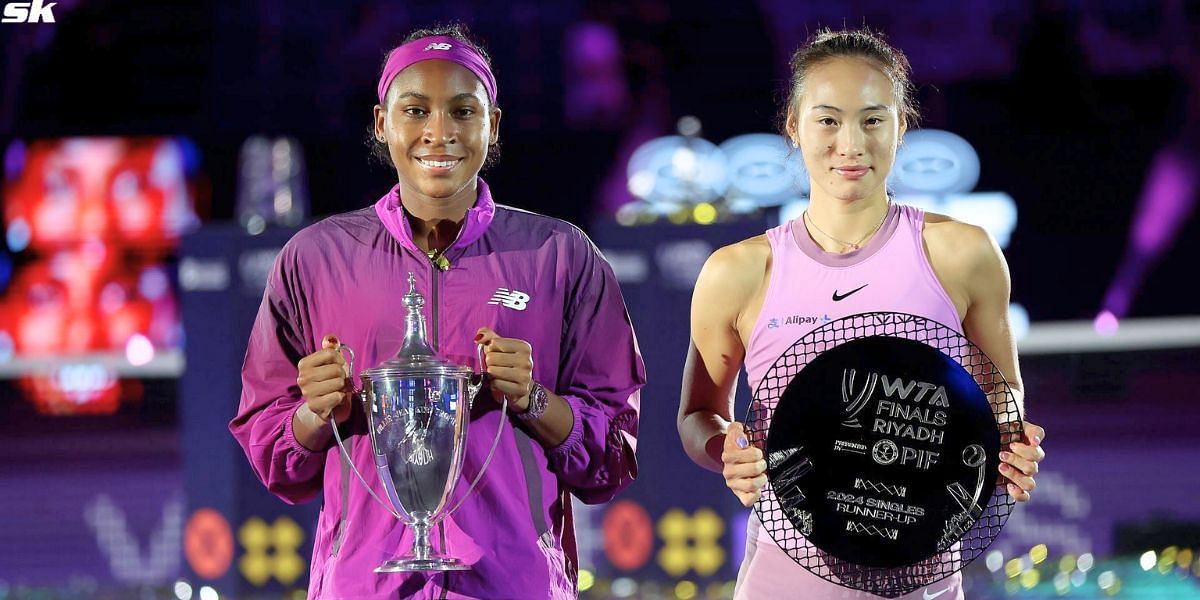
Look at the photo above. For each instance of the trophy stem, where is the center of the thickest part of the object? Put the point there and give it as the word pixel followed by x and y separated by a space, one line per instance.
pixel 422 557
pixel 421 528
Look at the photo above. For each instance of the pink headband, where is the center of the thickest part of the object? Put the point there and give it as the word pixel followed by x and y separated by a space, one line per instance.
pixel 438 47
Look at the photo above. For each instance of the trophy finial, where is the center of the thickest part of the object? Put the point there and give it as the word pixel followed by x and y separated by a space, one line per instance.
pixel 415 345
pixel 413 299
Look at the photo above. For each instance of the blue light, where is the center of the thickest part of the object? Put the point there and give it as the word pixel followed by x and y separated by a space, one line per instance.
pixel 6 270
pixel 675 169
pixel 934 161
pixel 18 235
pixel 764 169
pixel 14 160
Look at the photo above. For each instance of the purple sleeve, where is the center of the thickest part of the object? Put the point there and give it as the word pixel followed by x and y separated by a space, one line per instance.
pixel 270 395
pixel 600 375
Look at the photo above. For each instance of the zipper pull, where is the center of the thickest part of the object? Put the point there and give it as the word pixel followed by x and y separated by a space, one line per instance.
pixel 438 260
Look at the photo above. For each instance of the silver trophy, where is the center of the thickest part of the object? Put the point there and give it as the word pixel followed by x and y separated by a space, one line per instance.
pixel 418 408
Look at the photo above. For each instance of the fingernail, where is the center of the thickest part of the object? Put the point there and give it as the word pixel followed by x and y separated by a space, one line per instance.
pixel 1037 439
pixel 478 336
pixel 1005 467
pixel 742 442
pixel 1004 455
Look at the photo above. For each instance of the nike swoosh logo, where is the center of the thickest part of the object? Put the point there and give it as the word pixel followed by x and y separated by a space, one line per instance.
pixel 925 594
pixel 839 298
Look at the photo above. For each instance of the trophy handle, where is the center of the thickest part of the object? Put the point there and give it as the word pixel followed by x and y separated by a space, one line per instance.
pixel 348 461
pixel 476 385
pixel 495 441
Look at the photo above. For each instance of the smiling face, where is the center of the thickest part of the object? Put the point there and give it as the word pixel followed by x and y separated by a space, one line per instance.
pixel 848 127
pixel 438 125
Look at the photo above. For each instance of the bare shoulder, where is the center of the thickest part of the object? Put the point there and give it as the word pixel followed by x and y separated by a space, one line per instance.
pixel 966 259
pixel 746 254
pixel 953 243
pixel 734 272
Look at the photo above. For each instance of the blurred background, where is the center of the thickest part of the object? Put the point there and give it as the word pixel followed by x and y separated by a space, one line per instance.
pixel 157 155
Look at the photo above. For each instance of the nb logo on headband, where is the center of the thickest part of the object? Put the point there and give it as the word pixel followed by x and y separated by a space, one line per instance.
pixel 437 46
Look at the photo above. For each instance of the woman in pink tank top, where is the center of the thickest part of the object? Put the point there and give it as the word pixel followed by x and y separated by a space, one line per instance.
pixel 852 251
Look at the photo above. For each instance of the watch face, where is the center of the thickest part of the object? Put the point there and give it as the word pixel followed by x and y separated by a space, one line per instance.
pixel 538 401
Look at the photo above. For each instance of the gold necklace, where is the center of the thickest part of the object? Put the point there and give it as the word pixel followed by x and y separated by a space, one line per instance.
pixel 851 245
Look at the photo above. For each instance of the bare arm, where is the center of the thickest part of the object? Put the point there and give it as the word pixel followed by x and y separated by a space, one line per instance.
pixel 729 280
pixel 978 270
pixel 986 323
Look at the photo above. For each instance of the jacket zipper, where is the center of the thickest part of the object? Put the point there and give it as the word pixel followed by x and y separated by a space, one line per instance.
pixel 437 262
pixel 437 266
pixel 434 301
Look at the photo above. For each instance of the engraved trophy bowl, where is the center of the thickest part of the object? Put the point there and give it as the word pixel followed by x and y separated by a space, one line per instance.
pixel 418 409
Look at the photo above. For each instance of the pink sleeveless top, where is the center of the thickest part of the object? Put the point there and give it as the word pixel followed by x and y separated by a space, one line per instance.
pixel 809 287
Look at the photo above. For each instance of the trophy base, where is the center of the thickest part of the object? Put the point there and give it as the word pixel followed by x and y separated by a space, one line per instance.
pixel 433 563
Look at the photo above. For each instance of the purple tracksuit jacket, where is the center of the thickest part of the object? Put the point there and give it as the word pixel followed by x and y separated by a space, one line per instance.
pixel 526 276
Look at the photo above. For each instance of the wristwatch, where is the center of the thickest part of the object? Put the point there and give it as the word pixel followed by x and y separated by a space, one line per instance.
pixel 539 399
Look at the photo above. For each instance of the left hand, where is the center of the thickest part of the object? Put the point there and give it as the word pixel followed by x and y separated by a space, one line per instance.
pixel 509 365
pixel 1019 464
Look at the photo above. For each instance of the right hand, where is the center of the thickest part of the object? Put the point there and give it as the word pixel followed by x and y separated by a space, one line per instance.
pixel 745 470
pixel 324 380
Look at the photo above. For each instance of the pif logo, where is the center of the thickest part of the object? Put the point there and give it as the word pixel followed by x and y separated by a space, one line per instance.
pixel 691 543
pixel 259 563
pixel 28 12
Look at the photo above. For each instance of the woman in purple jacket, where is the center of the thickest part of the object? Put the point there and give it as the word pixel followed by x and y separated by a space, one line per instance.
pixel 532 290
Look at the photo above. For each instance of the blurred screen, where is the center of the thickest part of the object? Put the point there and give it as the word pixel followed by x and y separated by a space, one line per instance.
pixel 87 299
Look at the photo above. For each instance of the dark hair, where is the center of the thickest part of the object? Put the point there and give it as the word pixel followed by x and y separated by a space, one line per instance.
pixel 458 31
pixel 860 43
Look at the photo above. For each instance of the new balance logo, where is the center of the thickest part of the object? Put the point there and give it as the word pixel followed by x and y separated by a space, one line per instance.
pixel 510 299
pixel 28 12
pixel 437 46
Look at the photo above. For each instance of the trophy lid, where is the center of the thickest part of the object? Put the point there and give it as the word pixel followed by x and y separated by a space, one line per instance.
pixel 415 358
